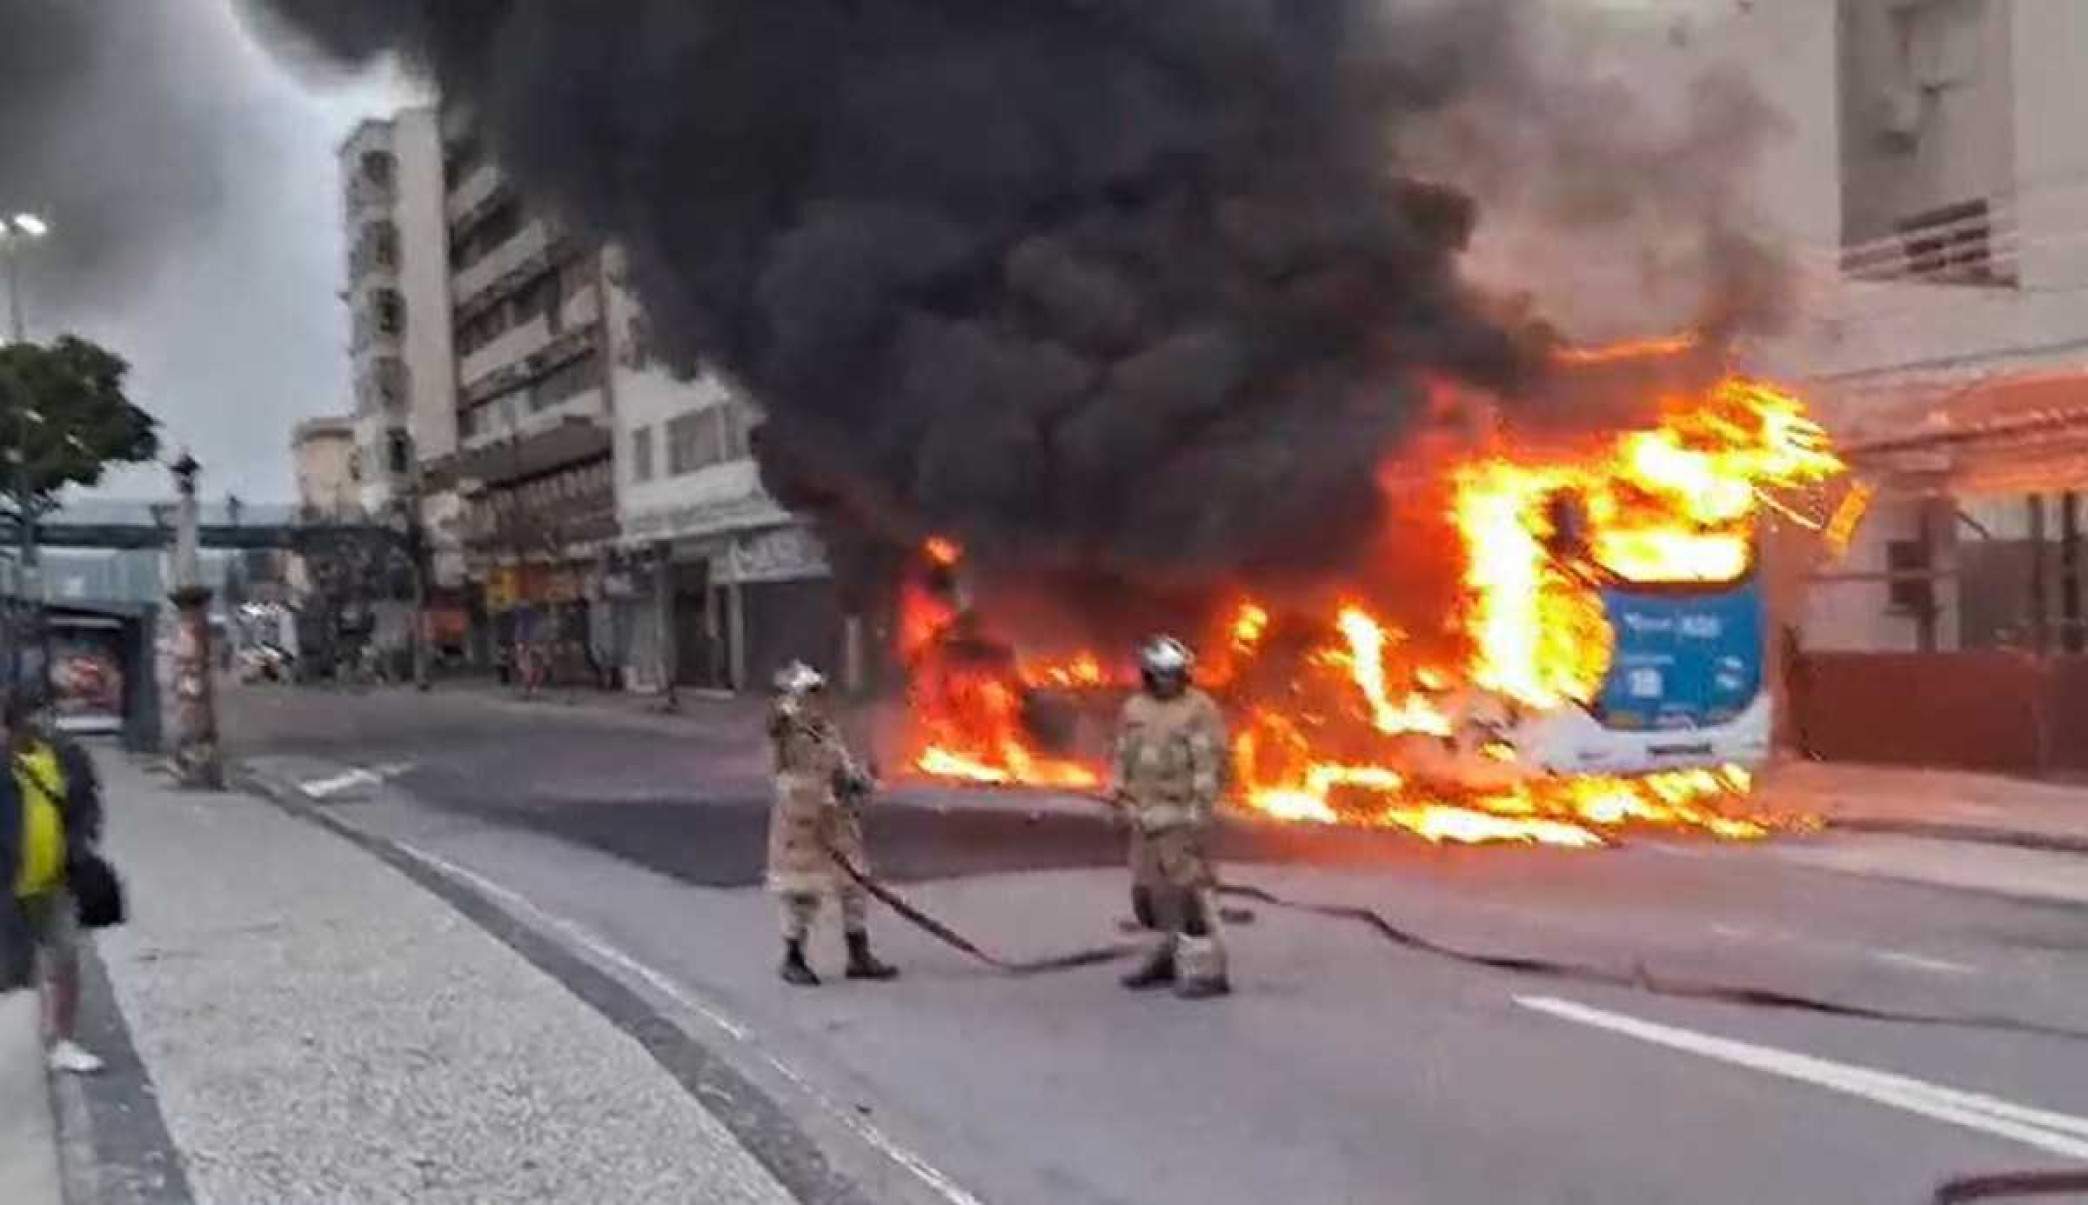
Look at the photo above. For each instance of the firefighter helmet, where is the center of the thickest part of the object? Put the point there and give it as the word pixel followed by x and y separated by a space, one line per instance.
pixel 1164 663
pixel 797 678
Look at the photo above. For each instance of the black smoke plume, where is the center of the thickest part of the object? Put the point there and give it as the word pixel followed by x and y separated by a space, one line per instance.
pixel 1134 287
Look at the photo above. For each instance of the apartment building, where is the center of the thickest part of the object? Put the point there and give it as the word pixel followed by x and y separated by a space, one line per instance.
pixel 713 584
pixel 398 302
pixel 532 412
pixel 1948 336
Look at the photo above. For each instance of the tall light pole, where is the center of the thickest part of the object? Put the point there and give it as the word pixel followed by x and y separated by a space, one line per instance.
pixel 14 232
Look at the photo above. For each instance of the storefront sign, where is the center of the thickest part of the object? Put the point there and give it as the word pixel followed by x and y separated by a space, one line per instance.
pixel 702 518
pixel 778 555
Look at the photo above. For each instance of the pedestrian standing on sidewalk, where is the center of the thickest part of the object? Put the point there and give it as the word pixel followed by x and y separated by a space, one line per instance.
pixel 50 822
pixel 813 822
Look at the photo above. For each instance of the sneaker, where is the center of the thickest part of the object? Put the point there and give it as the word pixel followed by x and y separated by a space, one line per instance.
pixel 71 1058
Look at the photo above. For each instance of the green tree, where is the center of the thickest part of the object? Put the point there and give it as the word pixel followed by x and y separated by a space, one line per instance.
pixel 63 403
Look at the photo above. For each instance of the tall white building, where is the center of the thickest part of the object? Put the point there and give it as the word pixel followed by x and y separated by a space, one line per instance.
pixel 398 301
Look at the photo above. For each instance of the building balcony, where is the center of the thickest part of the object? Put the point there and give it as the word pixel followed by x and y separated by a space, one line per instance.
pixel 519 258
pixel 479 188
pixel 482 371
pixel 368 197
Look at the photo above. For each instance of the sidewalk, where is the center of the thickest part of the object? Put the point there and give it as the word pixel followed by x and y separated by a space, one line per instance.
pixel 1946 804
pixel 318 1027
pixel 28 1139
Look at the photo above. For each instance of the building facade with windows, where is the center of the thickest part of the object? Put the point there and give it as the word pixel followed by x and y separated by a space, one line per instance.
pixel 1947 335
pixel 398 303
pixel 532 466
pixel 713 584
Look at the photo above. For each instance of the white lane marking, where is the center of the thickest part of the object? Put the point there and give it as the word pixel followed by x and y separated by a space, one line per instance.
pixel 1905 958
pixel 601 947
pixel 358 776
pixel 2057 1133
pixel 1941 966
pixel 320 788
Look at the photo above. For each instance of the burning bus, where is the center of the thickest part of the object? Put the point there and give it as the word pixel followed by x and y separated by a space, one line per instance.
pixel 1595 663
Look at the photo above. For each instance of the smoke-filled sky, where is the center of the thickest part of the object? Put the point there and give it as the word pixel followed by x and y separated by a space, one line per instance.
pixel 1146 286
pixel 190 180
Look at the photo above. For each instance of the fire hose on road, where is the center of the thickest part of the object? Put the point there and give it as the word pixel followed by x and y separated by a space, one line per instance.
pixel 1637 979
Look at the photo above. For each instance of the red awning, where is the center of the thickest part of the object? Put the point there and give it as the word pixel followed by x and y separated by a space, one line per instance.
pixel 2023 434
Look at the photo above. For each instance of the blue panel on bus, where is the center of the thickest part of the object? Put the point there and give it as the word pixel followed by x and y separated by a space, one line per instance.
pixel 1685 658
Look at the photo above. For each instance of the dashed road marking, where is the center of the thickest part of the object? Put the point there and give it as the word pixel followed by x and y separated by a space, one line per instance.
pixel 1905 958
pixel 358 776
pixel 2043 1129
pixel 1922 962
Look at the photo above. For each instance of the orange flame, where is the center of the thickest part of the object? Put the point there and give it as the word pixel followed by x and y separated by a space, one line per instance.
pixel 1352 736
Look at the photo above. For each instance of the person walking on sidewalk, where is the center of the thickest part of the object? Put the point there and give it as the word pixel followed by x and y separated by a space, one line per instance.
pixel 47 821
pixel 813 823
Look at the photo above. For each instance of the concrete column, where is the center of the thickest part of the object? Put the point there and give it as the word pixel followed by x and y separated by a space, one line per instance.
pixel 663 606
pixel 198 760
pixel 737 636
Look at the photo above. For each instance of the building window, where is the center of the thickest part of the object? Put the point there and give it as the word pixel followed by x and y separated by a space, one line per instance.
pixel 684 444
pixel 740 420
pixel 377 167
pixel 472 243
pixel 566 382
pixel 542 295
pixel 398 452
pixel 1954 243
pixel 641 454
pixel 391 312
pixel 1915 593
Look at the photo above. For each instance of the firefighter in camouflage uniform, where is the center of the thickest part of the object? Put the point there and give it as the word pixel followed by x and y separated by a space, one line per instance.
pixel 814 821
pixel 1170 769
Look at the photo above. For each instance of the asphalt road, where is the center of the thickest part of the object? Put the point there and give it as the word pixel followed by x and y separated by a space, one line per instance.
pixel 1345 1069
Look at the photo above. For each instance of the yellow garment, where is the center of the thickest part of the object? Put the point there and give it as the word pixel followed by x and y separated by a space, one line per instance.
pixel 40 781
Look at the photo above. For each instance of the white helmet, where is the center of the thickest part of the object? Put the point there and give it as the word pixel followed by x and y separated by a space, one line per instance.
pixel 797 678
pixel 1164 657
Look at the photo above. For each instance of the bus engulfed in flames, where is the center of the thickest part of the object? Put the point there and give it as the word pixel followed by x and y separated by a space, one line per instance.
pixel 1520 720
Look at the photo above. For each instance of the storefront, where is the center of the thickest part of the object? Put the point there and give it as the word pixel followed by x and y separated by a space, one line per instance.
pixel 723 610
pixel 543 610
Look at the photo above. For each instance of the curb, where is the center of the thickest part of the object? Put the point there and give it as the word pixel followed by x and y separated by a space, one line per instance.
pixel 1975 834
pixel 754 1118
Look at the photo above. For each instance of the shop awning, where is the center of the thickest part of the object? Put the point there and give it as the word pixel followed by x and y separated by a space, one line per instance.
pixel 2009 435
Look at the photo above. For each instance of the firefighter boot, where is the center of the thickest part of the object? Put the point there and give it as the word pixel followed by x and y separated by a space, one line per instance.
pixel 1203 969
pixel 862 964
pixel 1158 970
pixel 794 970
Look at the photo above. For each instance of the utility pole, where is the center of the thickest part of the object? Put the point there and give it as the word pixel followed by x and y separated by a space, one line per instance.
pixel 28 591
pixel 198 761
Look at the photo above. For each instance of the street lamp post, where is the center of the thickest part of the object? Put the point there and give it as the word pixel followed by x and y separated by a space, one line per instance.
pixel 13 232
pixel 198 762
